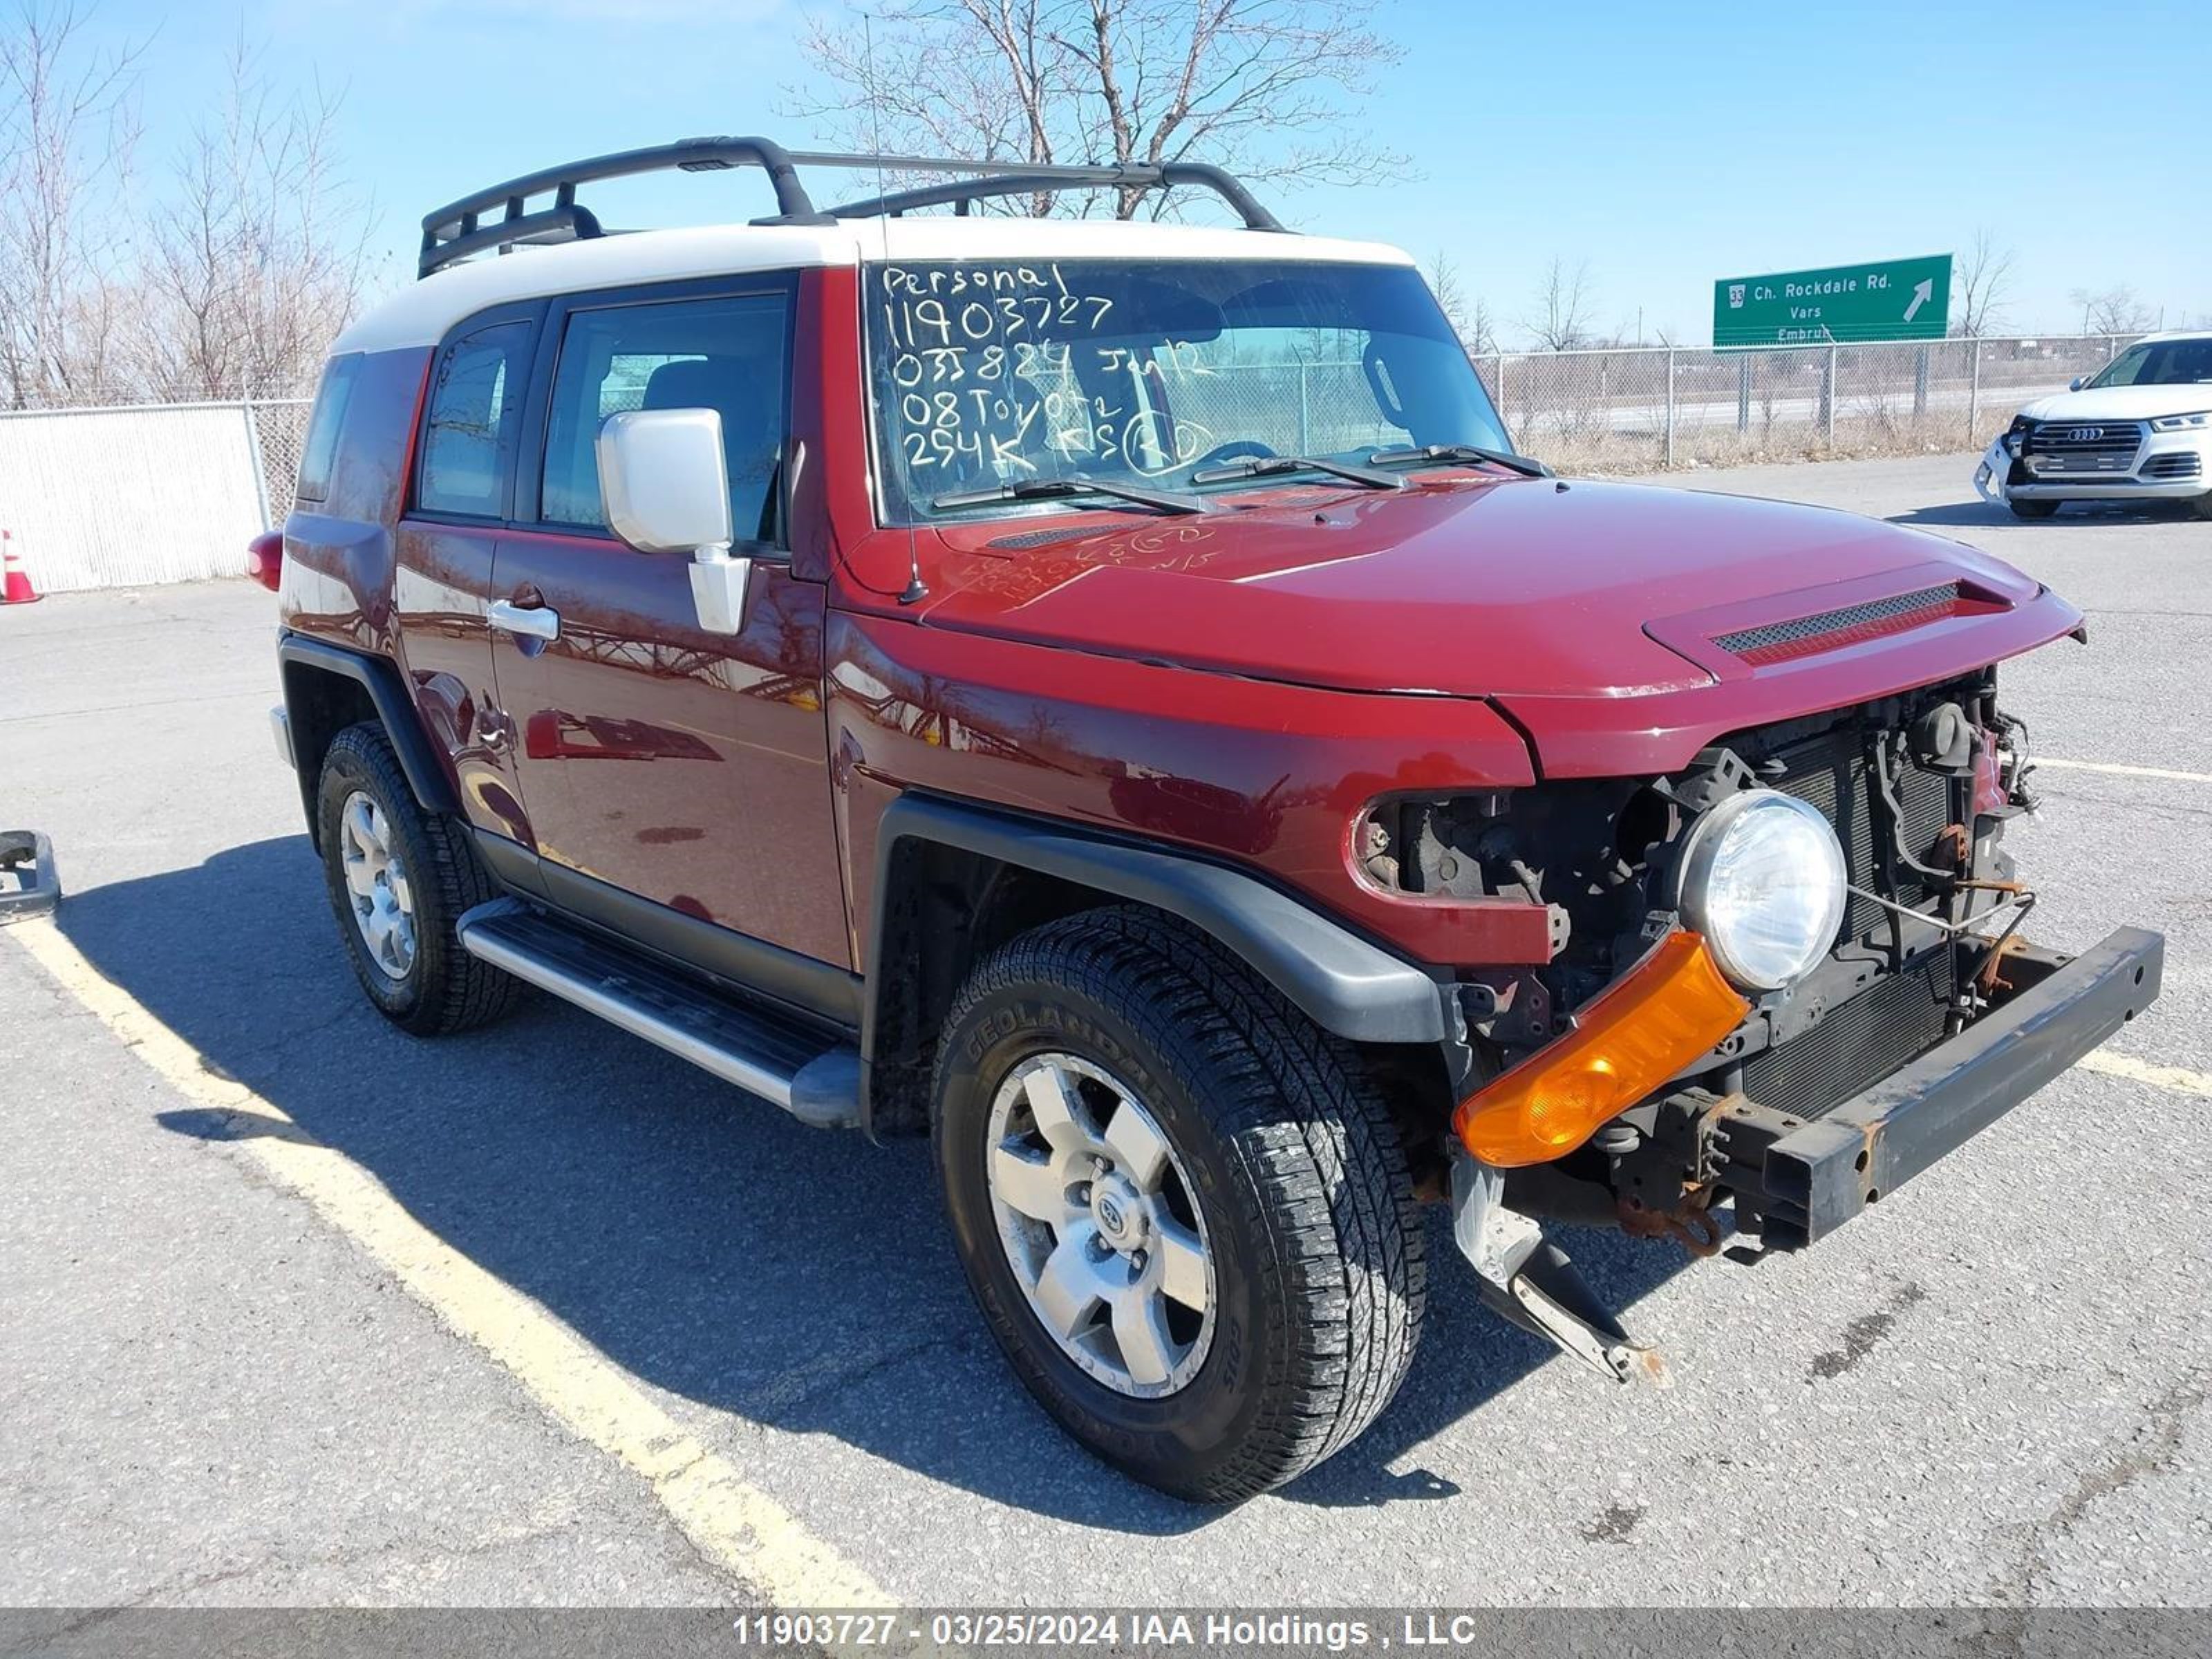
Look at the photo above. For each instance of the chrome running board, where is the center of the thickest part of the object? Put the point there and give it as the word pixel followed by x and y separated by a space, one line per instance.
pixel 817 1081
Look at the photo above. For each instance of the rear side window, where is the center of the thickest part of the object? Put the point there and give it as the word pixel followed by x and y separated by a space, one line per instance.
pixel 475 408
pixel 728 354
pixel 321 448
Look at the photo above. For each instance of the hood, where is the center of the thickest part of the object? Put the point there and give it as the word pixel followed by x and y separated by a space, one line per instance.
pixel 2121 403
pixel 1494 589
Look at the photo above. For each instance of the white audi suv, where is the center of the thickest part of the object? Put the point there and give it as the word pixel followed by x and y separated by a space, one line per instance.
pixel 2138 429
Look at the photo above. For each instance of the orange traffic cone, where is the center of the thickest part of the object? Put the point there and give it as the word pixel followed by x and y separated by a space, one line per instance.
pixel 19 590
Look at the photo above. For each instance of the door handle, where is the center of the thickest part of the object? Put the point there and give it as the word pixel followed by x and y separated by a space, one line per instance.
pixel 535 622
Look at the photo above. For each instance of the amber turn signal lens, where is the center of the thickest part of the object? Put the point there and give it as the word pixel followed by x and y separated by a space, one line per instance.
pixel 1672 1007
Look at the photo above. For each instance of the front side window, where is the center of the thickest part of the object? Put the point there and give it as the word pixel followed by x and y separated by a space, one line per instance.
pixel 2122 369
pixel 2159 362
pixel 988 373
pixel 475 407
pixel 727 355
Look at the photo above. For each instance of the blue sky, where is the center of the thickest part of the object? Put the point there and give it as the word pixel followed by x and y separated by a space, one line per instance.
pixel 1665 145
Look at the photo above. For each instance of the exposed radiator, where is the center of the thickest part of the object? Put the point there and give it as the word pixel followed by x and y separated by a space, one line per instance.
pixel 1898 1017
pixel 1893 1021
pixel 1833 773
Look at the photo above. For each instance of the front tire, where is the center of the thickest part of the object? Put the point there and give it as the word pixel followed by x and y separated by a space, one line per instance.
pixel 2031 509
pixel 1182 1208
pixel 399 879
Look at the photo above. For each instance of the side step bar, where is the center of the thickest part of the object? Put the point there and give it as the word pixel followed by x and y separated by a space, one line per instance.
pixel 816 1082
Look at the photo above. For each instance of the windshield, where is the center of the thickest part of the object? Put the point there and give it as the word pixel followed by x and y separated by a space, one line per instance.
pixel 2159 362
pixel 987 373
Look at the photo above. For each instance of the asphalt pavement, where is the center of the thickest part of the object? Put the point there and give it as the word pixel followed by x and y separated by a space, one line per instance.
pixel 299 1310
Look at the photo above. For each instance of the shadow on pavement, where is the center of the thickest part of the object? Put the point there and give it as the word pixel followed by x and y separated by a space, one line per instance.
pixel 1985 512
pixel 705 1243
pixel 1955 512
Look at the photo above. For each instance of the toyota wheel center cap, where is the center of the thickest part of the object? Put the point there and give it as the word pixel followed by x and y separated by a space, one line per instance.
pixel 1120 1213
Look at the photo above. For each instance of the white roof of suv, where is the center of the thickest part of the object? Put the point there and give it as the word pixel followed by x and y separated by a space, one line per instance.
pixel 421 314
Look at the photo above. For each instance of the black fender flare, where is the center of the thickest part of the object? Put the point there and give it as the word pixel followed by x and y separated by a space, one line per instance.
pixel 1346 985
pixel 387 692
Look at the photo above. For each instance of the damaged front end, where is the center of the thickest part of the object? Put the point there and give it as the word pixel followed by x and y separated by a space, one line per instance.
pixel 1675 1063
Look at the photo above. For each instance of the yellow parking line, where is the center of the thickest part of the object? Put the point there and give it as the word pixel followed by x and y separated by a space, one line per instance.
pixel 2142 1071
pixel 2114 769
pixel 732 1523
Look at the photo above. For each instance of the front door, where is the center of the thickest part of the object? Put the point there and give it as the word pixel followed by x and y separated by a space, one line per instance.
pixel 686 768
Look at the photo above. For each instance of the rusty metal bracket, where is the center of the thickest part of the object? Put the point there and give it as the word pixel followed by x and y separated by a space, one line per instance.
pixel 2023 901
pixel 1689 1223
pixel 1991 977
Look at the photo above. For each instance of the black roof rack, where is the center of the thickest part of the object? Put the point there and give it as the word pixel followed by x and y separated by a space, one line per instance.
pixel 460 229
pixel 1005 179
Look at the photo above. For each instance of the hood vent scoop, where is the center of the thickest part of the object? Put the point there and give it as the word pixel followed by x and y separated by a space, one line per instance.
pixel 1832 630
pixel 1029 538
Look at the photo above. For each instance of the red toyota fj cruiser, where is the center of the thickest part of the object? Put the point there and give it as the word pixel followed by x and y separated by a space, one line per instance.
pixel 1110 696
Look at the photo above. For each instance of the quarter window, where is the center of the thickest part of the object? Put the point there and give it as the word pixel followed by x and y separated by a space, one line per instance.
pixel 317 452
pixel 475 407
pixel 728 354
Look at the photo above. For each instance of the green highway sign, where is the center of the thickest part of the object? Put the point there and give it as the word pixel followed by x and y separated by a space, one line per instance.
pixel 1894 300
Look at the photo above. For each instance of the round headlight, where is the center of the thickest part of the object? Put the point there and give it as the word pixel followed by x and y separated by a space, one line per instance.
pixel 1763 880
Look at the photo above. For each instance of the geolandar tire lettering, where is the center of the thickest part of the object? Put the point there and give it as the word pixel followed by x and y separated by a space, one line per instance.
pixel 1182 1208
pixel 399 879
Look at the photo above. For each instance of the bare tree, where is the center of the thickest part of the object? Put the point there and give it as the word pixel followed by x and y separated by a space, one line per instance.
pixel 1265 86
pixel 1984 277
pixel 255 260
pixel 1451 297
pixel 1481 332
pixel 1469 319
pixel 1560 319
pixel 2112 311
pixel 66 130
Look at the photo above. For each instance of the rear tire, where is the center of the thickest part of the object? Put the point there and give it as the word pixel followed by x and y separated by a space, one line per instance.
pixel 399 879
pixel 1282 1166
pixel 2031 509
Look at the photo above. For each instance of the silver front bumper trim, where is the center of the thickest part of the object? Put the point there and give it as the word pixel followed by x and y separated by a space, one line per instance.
pixel 2117 488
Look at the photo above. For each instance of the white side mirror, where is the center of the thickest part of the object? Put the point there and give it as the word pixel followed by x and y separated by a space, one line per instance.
pixel 667 491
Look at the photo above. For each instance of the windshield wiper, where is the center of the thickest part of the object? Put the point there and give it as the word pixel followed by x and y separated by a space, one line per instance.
pixel 1267 466
pixel 1046 489
pixel 1459 454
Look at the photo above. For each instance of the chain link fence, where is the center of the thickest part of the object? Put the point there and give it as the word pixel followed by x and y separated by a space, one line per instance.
pixel 1643 409
pixel 280 431
pixel 115 496
pixel 1646 409
pixel 125 496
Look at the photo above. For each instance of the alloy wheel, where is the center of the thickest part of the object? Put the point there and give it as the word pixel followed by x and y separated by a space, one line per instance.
pixel 1100 1223
pixel 376 880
